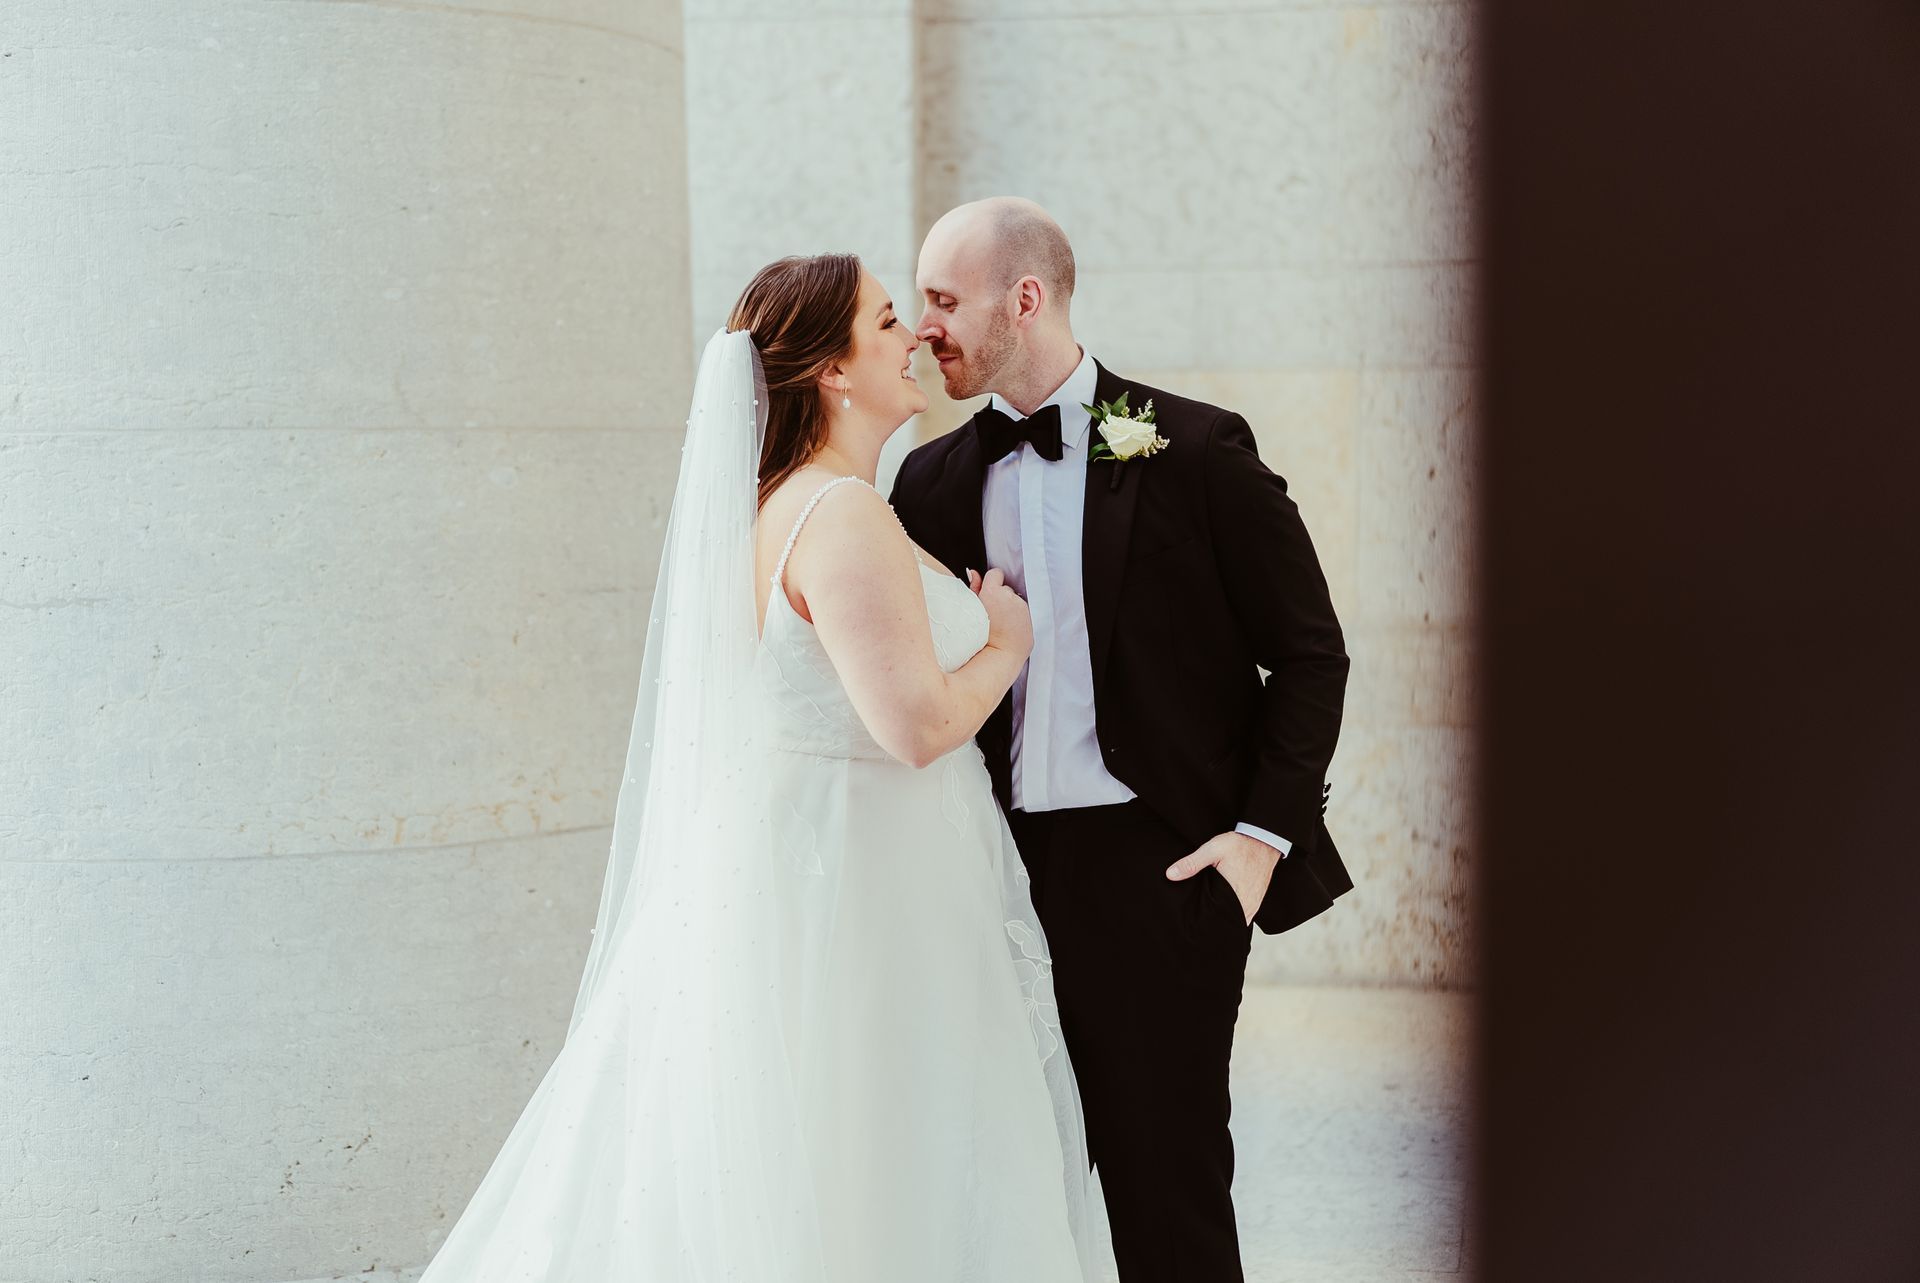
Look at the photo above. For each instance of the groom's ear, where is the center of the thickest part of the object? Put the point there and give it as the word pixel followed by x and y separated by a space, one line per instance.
pixel 1029 298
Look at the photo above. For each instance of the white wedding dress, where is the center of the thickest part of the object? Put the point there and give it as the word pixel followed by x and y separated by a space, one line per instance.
pixel 926 1017
pixel 816 1040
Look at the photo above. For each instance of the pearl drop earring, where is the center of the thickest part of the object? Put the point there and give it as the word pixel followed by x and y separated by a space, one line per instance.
pixel 846 402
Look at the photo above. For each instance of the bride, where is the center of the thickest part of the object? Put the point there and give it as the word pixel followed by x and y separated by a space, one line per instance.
pixel 815 1040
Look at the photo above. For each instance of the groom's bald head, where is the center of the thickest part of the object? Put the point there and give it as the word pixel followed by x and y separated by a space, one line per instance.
pixel 1009 237
pixel 996 276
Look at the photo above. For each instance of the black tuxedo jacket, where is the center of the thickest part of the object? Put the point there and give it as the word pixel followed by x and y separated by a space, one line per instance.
pixel 1197 573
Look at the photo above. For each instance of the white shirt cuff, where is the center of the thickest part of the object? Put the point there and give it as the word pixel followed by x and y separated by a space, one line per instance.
pixel 1280 844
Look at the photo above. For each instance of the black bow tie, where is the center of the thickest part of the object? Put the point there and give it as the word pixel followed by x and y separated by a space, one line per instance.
pixel 1000 435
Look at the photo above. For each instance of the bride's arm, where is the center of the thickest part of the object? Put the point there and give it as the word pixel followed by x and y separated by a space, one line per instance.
pixel 854 569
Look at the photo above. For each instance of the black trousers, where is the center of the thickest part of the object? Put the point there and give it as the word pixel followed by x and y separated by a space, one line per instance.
pixel 1147 973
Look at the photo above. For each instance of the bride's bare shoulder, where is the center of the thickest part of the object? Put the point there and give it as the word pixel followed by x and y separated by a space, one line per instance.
pixel 848 521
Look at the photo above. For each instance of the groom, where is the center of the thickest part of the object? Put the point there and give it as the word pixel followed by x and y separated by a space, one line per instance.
pixel 1163 795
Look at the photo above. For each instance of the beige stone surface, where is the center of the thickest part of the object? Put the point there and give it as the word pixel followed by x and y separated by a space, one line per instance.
pixel 1159 142
pixel 269 642
pixel 803 139
pixel 1351 1123
pixel 463 253
pixel 800 125
pixel 343 366
pixel 246 1069
pixel 1416 487
pixel 1357 315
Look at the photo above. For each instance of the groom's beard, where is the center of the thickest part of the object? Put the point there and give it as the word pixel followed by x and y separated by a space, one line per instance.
pixel 978 367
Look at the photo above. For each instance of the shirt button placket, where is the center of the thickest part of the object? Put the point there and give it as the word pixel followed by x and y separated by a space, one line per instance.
pixel 1037 732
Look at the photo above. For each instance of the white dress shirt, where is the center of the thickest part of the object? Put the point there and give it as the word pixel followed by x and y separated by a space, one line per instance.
pixel 1033 510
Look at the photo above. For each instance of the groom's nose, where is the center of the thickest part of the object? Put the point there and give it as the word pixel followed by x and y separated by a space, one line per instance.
pixel 926 331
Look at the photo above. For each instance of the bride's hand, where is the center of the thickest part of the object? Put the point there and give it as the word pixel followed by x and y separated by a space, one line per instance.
pixel 1009 624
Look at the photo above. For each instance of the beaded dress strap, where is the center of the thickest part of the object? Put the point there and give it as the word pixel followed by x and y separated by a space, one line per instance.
pixel 801 520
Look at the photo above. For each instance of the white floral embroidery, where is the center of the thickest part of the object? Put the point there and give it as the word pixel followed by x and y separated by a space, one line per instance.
pixel 953 803
pixel 959 633
pixel 802 846
pixel 1035 971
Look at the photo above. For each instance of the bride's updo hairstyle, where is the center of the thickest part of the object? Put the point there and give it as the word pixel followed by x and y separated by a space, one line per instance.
pixel 801 313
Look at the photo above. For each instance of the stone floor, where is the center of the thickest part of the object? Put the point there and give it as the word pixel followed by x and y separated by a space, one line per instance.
pixel 1350 1124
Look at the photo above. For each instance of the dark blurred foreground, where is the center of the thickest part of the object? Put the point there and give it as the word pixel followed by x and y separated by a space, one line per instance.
pixel 1700 1044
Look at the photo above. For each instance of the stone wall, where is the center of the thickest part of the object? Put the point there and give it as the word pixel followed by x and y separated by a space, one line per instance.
pixel 343 344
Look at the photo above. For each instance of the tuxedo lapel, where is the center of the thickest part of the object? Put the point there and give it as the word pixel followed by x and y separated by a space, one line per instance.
pixel 1106 526
pixel 963 490
pixel 962 516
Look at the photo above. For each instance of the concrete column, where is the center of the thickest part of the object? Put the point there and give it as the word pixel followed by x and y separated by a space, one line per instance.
pixel 802 140
pixel 341 382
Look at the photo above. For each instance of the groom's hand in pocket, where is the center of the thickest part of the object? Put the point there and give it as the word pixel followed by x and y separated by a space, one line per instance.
pixel 1245 862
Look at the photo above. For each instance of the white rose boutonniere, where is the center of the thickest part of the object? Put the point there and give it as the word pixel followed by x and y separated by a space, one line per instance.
pixel 1124 435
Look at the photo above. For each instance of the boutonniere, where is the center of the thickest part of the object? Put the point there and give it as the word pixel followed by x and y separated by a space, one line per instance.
pixel 1124 435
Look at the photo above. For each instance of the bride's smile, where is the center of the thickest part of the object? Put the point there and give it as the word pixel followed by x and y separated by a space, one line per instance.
pixel 882 358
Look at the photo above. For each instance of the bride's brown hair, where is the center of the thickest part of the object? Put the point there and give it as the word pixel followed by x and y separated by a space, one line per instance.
pixel 801 313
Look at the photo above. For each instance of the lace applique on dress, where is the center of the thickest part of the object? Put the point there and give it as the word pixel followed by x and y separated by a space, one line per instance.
pixel 953 802
pixel 1035 971
pixel 802 845
pixel 815 715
